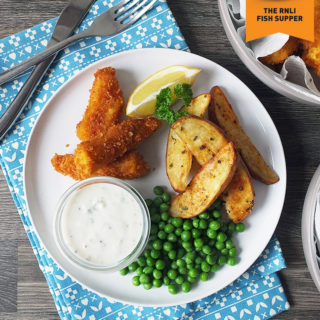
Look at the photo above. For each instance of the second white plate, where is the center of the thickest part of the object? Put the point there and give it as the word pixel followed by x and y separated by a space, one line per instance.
pixel 56 128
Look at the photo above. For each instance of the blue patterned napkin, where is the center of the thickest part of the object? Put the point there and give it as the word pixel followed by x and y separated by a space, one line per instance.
pixel 257 294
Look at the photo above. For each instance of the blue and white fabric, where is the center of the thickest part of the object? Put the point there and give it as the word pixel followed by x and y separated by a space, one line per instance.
pixel 257 294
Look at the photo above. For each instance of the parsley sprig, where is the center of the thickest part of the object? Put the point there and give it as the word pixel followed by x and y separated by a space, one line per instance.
pixel 165 99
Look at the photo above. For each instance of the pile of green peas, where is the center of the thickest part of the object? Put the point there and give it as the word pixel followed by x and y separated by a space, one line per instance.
pixel 181 251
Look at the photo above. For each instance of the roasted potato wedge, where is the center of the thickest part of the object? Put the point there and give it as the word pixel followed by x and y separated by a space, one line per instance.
pixel 221 112
pixel 178 162
pixel 203 138
pixel 206 185
pixel 239 195
pixel 198 105
pixel 203 149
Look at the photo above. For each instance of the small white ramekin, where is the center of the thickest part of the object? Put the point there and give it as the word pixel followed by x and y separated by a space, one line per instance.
pixel 134 254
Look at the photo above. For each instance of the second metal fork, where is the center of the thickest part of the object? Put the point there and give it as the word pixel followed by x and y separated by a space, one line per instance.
pixel 113 21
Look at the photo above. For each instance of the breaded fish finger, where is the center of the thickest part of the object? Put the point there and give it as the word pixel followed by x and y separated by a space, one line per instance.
pixel 121 138
pixel 130 166
pixel 105 106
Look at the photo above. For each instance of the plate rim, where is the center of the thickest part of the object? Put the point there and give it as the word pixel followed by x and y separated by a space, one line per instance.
pixel 263 109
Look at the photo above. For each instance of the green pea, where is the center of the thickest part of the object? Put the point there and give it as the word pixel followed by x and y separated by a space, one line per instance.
pixel 210 259
pixel 155 254
pixel 154 229
pixel 204 215
pixel 167 246
pixel 173 289
pixel 211 233
pixel 144 278
pixel 166 197
pixel 147 270
pixel 198 243
pixel 195 223
pixel 174 265
pixel 164 208
pixel 190 266
pixel 229 244
pixel 190 257
pixel 205 266
pixel 222 260
pixel 181 253
pixel 202 254
pixel 214 225
pixel 155 218
pixel 191 279
pixel 124 271
pixel 196 233
pixel 172 254
pixel 133 266
pixel 186 235
pixel 183 270
pixel 156 245
pixel 178 231
pixel 232 252
pixel 135 281
pixel 231 226
pixel 157 202
pixel 187 225
pixel 232 261
pixel 186 286
pixel 177 222
pixel 193 273
pixel 221 237
pixel 148 202
pixel 225 251
pixel 206 249
pixel 157 190
pixel 172 237
pixel 215 268
pixel 157 274
pixel 181 263
pixel 150 262
pixel 220 245
pixel 216 214
pixel 203 224
pixel 198 260
pixel 179 279
pixel 160 264
pixel 240 227
pixel 204 276
pixel 164 215
pixel 147 286
pixel 187 245
pixel 157 283
pixel 169 228
pixel 172 274
pixel 162 235
pixel 166 281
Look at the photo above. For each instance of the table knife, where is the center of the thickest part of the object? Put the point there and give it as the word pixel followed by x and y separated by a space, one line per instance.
pixel 69 19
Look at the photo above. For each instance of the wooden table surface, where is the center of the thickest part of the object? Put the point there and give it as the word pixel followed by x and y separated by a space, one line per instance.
pixel 24 293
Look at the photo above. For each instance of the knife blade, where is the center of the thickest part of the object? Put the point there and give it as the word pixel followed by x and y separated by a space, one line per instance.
pixel 70 17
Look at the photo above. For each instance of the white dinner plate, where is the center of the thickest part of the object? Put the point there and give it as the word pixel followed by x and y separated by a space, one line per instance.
pixel 55 129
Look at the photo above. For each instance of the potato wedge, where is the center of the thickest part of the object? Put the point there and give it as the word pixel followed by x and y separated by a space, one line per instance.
pixel 239 195
pixel 221 112
pixel 178 162
pixel 237 200
pixel 203 138
pixel 206 185
pixel 198 105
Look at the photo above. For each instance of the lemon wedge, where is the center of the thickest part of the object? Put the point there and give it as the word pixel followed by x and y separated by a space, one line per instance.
pixel 142 100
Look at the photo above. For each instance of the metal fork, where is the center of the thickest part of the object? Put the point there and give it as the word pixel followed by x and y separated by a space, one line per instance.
pixel 113 21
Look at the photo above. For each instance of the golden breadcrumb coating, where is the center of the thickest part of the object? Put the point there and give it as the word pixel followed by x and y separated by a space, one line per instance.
pixel 130 166
pixel 105 106
pixel 290 48
pixel 121 138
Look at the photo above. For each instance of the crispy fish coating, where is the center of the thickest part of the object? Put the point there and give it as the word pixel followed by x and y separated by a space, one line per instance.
pixel 290 48
pixel 130 166
pixel 121 138
pixel 311 50
pixel 105 106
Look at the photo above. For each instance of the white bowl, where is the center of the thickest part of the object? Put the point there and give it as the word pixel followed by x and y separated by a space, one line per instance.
pixel 272 80
pixel 308 228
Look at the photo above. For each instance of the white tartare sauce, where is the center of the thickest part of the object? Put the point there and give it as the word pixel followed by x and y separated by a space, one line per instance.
pixel 101 223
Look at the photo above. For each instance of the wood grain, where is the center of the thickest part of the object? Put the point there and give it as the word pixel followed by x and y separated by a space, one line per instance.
pixel 28 296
